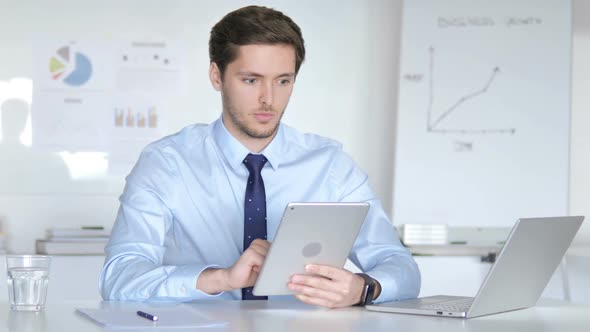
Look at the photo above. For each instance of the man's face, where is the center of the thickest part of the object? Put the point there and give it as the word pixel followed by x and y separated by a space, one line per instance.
pixel 255 90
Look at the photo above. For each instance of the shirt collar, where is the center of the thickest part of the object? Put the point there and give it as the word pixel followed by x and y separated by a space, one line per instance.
pixel 235 152
pixel 273 150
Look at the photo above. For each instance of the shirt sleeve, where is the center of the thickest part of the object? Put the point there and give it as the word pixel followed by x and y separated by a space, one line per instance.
pixel 133 268
pixel 377 250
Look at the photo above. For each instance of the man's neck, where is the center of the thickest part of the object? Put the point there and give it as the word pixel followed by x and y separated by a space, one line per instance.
pixel 255 145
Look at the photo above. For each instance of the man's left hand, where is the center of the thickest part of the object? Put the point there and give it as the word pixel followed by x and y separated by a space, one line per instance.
pixel 328 286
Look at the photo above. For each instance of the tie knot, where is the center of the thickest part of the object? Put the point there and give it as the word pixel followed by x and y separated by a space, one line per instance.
pixel 254 162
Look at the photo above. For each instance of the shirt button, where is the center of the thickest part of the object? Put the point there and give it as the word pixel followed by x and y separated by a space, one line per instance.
pixel 183 290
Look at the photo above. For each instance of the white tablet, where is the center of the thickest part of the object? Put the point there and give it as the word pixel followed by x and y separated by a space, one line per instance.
pixel 309 233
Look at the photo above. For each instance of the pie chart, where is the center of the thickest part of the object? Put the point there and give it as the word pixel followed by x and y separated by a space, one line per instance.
pixel 71 68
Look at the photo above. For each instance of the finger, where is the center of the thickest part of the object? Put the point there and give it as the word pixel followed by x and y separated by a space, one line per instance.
pixel 261 242
pixel 252 279
pixel 247 262
pixel 253 258
pixel 259 248
pixel 244 273
pixel 327 271
pixel 316 292
pixel 315 301
pixel 317 282
pixel 258 251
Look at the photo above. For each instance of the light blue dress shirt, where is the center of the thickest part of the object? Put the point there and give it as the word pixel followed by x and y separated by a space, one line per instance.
pixel 182 211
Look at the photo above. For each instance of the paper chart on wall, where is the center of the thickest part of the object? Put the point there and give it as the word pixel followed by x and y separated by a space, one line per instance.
pixel 104 96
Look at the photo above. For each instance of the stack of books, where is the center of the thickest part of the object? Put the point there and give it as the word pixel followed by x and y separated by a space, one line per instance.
pixel 424 234
pixel 74 241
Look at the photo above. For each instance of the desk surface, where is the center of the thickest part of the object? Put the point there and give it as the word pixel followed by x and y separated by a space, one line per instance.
pixel 295 316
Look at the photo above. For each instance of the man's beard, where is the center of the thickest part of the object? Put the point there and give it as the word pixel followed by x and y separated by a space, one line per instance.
pixel 241 124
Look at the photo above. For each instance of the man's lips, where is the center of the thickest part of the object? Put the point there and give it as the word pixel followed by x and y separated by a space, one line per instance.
pixel 264 116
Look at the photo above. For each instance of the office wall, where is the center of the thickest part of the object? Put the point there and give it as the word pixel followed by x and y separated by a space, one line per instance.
pixel 364 127
pixel 580 127
pixel 346 90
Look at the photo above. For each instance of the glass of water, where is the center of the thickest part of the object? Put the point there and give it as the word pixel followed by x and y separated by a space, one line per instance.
pixel 28 276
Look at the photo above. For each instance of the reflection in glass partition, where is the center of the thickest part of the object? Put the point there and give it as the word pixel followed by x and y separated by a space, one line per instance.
pixel 19 89
pixel 27 169
pixel 86 165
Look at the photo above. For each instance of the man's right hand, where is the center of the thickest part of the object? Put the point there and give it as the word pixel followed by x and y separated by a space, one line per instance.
pixel 243 273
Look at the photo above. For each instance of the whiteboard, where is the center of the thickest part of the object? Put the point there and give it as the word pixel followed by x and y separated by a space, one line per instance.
pixel 484 109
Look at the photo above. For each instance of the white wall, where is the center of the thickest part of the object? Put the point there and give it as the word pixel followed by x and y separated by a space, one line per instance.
pixel 384 41
pixel 346 90
pixel 363 123
pixel 580 127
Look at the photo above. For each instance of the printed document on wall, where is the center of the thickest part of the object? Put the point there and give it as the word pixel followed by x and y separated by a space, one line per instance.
pixel 71 85
pixel 104 96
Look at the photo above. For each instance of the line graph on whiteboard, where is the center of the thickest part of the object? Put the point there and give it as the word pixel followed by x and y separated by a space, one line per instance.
pixel 437 119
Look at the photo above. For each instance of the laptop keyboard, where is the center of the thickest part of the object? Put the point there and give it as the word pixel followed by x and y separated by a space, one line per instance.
pixel 459 305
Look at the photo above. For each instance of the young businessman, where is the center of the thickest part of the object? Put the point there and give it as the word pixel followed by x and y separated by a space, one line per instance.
pixel 199 205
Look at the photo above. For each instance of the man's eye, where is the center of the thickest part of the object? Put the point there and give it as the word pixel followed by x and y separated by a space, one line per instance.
pixel 284 82
pixel 249 80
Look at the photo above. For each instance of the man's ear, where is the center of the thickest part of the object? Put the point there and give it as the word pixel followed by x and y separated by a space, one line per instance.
pixel 215 76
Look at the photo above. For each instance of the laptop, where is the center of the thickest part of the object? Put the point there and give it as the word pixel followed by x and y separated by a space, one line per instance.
pixel 523 268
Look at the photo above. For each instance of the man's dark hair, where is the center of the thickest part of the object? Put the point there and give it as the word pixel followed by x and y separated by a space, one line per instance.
pixel 250 26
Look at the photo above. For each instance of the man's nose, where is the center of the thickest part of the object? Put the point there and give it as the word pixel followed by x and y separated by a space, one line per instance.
pixel 266 94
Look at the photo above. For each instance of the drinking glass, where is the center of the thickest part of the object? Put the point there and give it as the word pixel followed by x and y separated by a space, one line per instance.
pixel 28 277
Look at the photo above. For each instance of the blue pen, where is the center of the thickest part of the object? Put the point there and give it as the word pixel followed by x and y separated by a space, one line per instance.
pixel 148 316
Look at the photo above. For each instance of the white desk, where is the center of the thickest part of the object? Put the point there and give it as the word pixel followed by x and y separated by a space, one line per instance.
pixel 295 316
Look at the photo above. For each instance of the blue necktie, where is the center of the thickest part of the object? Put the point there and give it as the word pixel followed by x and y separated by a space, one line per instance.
pixel 254 210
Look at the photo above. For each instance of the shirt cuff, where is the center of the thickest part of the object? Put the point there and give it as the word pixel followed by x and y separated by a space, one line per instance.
pixel 389 286
pixel 183 282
